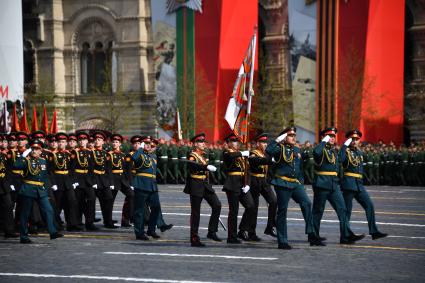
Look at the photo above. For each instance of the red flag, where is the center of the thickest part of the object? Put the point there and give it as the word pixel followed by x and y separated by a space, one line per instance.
pixel 44 122
pixel 24 123
pixel 53 125
pixel 239 105
pixel 15 121
pixel 34 122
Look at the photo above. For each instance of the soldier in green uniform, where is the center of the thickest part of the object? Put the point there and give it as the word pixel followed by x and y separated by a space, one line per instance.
pixel 288 183
pixel 351 159
pixel 162 154
pixel 34 188
pixel 218 161
pixel 308 164
pixel 376 159
pixel 326 186
pixel 212 157
pixel 182 154
pixel 173 162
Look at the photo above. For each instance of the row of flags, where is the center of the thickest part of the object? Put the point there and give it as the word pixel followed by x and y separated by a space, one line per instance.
pixel 10 122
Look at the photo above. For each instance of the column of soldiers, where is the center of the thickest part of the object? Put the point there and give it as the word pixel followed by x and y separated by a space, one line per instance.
pixel 42 176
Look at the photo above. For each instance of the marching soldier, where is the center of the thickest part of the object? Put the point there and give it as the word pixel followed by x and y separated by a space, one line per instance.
pixel 288 181
pixel 72 141
pixel 352 183
pixel 82 166
pixel 308 165
pixel 145 190
pixel 34 188
pixel 65 199
pixel 120 181
pixel 102 182
pixel 162 153
pixel 237 190
pixel 183 152
pixel 199 188
pixel 173 162
pixel 259 163
pixel 326 187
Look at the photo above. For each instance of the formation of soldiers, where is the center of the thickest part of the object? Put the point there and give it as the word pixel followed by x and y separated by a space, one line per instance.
pixel 41 176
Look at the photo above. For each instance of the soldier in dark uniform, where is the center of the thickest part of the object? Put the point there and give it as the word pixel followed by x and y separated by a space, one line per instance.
pixel 6 204
pixel 162 154
pixel 199 188
pixel 82 166
pixel 308 164
pixel 145 190
pixel 351 159
pixel 326 187
pixel 102 182
pixel 33 188
pixel 173 162
pixel 288 182
pixel 237 190
pixel 72 141
pixel 183 152
pixel 120 181
pixel 259 163
pixel 59 167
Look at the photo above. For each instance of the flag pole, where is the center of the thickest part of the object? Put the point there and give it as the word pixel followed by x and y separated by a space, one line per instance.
pixel 250 95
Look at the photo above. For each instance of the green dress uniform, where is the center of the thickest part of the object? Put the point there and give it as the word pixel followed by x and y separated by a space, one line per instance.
pixel 326 187
pixel 183 152
pixel 34 188
pixel 288 182
pixel 308 165
pixel 352 184
pixel 145 191
pixel 162 153
pixel 173 163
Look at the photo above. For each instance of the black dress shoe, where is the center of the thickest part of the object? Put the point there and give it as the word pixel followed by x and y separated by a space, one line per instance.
pixel 142 238
pixel 91 227
pixel 213 236
pixel 55 236
pixel 11 235
pixel 97 220
pixel 271 232
pixel 243 235
pixel 25 241
pixel 322 238
pixel 110 226
pixel 166 227
pixel 114 221
pixel 153 234
pixel 253 238
pixel 378 235
pixel 356 238
pixel 347 242
pixel 284 247
pixel 234 241
pixel 73 229
pixel 197 244
pixel 125 225
pixel 314 240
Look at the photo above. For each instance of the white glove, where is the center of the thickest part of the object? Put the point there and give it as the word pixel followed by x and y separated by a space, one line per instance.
pixel 94 186
pixel 142 145
pixel 273 160
pixel 112 187
pixel 245 189
pixel 211 168
pixel 132 188
pixel 326 138
pixel 12 187
pixel 245 153
pixel 26 152
pixel 55 188
pixel 281 137
pixel 348 142
pixel 75 185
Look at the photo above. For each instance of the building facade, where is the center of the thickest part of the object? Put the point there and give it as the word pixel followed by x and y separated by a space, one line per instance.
pixel 91 61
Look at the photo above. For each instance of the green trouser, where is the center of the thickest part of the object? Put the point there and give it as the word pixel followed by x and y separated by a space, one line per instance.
pixel 364 200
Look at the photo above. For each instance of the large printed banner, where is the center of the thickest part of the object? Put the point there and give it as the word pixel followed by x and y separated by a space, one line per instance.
pixel 11 51
pixel 302 28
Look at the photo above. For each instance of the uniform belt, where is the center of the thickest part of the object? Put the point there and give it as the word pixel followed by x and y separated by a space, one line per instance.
pixel 117 171
pixel 326 173
pixel 20 172
pixel 235 173
pixel 2 175
pixel 98 172
pixel 146 175
pixel 163 156
pixel 258 175
pixel 292 180
pixel 355 175
pixel 133 171
pixel 81 171
pixel 174 158
pixel 34 183
pixel 370 163
pixel 183 157
pixel 202 177
pixel 62 172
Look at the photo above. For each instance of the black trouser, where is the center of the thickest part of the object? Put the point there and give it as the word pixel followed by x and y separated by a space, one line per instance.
pixel 195 205
pixel 232 221
pixel 86 198
pixel 128 206
pixel 271 200
pixel 6 213
pixel 66 200
pixel 106 203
